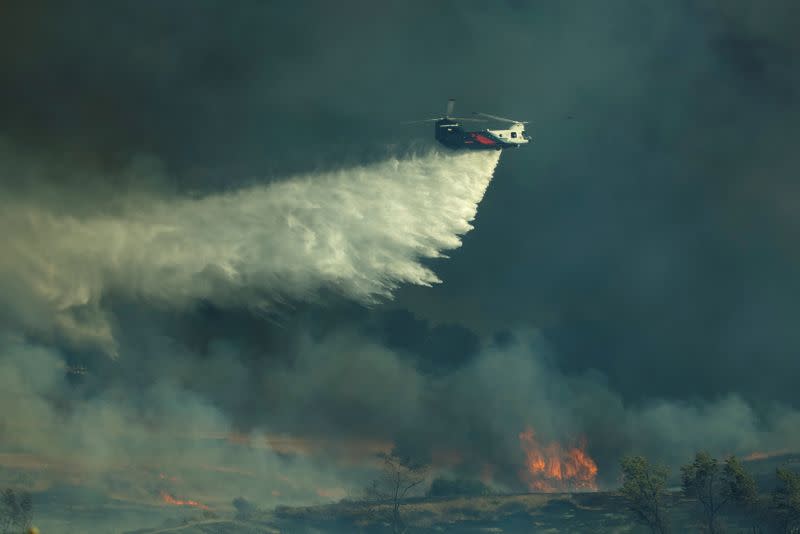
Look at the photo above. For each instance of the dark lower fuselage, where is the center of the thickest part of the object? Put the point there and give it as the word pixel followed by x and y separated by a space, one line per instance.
pixel 452 135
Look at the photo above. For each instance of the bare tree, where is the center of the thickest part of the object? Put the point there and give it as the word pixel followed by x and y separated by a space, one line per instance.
pixel 386 493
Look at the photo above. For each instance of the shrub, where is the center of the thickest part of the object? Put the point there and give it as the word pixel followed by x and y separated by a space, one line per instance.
pixel 244 508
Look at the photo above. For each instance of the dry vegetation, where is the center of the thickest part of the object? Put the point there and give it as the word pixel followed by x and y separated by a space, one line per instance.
pixel 461 514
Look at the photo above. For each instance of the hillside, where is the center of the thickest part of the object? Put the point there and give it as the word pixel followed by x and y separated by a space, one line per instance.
pixel 548 513
pixel 75 510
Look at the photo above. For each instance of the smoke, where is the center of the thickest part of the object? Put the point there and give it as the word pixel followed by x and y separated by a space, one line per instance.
pixel 648 238
pixel 342 399
pixel 115 443
pixel 358 232
pixel 480 410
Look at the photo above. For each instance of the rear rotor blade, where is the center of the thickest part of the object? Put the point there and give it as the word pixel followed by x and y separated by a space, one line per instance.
pixel 423 120
pixel 451 104
pixel 467 119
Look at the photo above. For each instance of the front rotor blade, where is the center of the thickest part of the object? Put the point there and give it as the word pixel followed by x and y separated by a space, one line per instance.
pixel 495 117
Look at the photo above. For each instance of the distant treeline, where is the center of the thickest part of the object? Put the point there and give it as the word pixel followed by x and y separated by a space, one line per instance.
pixel 717 487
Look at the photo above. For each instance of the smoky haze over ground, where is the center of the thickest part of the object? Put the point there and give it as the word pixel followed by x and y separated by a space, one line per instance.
pixel 631 275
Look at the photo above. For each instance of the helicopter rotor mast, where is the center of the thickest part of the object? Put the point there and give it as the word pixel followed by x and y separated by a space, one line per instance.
pixel 451 104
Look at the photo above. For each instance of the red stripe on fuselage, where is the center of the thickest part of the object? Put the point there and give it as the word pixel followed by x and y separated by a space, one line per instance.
pixel 482 139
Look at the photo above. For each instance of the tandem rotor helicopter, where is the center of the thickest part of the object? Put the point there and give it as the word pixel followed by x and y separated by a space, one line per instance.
pixel 449 132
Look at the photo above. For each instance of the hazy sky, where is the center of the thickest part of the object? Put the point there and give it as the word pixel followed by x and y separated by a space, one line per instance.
pixel 216 210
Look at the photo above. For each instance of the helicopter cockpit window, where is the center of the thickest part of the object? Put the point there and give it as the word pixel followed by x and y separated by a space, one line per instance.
pixel 514 135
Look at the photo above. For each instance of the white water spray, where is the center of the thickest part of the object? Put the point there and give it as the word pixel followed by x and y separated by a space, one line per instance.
pixel 359 232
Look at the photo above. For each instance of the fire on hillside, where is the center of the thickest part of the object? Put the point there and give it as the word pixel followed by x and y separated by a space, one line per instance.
pixel 169 499
pixel 555 468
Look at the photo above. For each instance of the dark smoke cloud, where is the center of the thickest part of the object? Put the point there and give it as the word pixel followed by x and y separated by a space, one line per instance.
pixel 649 241
pixel 342 391
pixel 651 236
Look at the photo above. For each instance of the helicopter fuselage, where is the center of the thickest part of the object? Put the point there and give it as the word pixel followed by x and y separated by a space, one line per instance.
pixel 450 133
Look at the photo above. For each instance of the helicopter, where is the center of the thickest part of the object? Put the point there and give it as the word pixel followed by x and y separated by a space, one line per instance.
pixel 448 131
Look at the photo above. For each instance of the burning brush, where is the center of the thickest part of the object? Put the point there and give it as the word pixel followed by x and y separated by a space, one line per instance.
pixel 554 468
pixel 169 499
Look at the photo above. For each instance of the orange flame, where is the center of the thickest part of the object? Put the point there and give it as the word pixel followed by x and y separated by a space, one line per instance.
pixel 553 468
pixel 169 499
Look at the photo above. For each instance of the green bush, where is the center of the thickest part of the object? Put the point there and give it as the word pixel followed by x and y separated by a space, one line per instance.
pixel 244 508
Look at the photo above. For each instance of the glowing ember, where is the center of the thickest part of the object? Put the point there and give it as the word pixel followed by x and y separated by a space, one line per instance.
pixel 169 499
pixel 555 468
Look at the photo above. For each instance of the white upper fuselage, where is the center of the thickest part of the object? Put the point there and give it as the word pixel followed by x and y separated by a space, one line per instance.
pixel 515 135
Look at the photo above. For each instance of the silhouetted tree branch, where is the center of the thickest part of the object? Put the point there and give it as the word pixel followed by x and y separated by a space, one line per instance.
pixel 385 494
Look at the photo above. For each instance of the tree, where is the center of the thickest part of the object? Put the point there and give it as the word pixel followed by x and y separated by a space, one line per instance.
pixel 16 511
pixel 385 494
pixel 26 511
pixel 643 487
pixel 786 501
pixel 701 481
pixel 8 510
pixel 244 508
pixel 740 488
